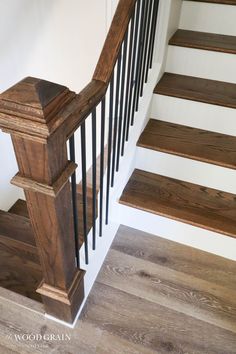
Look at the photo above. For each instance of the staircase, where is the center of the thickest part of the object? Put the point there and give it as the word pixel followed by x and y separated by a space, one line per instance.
pixel 186 155
pixel 177 172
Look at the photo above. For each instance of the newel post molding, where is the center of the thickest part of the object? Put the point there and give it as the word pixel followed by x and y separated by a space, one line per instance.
pixel 27 110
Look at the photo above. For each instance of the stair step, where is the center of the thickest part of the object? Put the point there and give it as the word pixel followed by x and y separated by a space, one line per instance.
pixel 225 2
pixel 175 199
pixel 193 143
pixel 20 269
pixel 16 227
pixel 204 40
pixel 19 208
pixel 197 89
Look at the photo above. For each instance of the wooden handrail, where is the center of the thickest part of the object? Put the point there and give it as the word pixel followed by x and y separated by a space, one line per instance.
pixel 114 40
pixel 74 113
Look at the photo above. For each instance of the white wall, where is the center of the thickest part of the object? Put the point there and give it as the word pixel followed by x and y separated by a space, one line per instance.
pixel 57 40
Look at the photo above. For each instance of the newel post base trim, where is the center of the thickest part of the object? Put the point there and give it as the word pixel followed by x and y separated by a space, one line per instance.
pixel 61 304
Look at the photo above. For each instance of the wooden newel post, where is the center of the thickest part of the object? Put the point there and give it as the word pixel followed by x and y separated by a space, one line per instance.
pixel 28 110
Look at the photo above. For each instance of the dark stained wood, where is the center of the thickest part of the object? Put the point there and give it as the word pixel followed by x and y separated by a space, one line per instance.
pixel 175 256
pixel 17 228
pixel 19 208
pixel 43 166
pixel 18 272
pixel 20 269
pixel 203 40
pixel 114 40
pixel 197 144
pixel 224 2
pixel 190 203
pixel 35 96
pixel 197 89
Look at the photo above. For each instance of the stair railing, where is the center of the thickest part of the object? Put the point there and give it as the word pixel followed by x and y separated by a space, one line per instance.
pixel 42 117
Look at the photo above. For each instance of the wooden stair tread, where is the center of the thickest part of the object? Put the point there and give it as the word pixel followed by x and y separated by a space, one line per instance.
pixel 197 89
pixel 197 144
pixel 19 208
pixel 224 2
pixel 204 40
pixel 20 269
pixel 190 203
pixel 16 227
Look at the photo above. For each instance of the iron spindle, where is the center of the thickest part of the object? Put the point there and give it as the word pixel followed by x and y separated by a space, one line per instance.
pixel 149 39
pixel 144 25
pixel 155 15
pixel 134 60
pixel 139 62
pixel 137 67
pixel 118 81
pixel 124 59
pixel 74 201
pixel 109 146
pixel 146 46
pixel 128 84
pixel 103 112
pixel 94 174
pixel 84 189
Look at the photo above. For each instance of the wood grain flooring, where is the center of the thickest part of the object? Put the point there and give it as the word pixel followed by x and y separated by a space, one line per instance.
pixel 204 40
pixel 197 144
pixel 197 89
pixel 190 203
pixel 151 296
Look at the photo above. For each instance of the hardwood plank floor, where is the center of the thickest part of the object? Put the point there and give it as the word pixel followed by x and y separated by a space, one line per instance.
pixel 197 89
pixel 190 203
pixel 204 40
pixel 197 144
pixel 151 296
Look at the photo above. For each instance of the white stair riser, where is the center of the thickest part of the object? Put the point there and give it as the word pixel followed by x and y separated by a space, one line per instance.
pixel 208 17
pixel 201 63
pixel 194 114
pixel 185 169
pixel 177 231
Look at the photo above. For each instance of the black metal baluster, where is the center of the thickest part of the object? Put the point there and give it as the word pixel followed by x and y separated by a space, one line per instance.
pixel 94 173
pixel 142 54
pixel 118 81
pixel 84 189
pixel 154 24
pixel 146 46
pixel 128 84
pixel 103 111
pixel 149 40
pixel 137 69
pixel 74 201
pixel 109 146
pixel 124 59
pixel 134 60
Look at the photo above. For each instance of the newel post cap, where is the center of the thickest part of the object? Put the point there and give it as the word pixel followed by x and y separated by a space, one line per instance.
pixel 30 105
